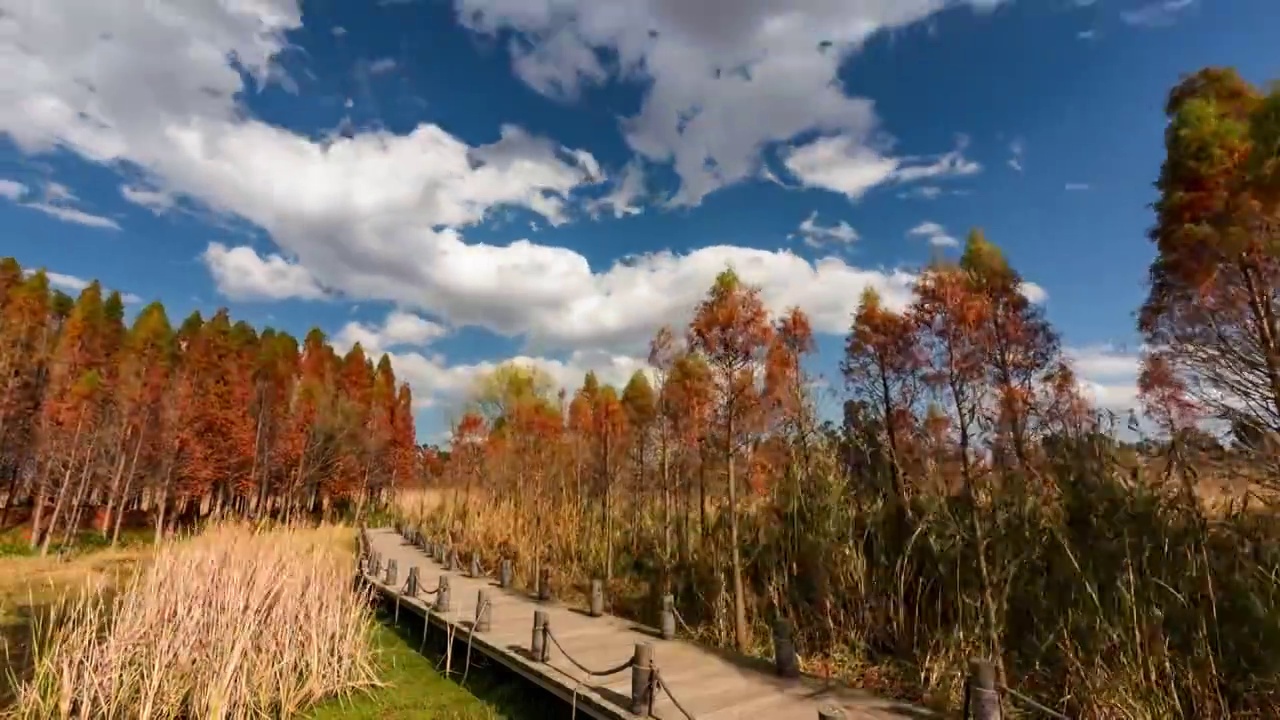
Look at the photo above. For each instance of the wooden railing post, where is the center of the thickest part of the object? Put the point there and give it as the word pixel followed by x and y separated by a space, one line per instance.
pixel 475 564
pixel 484 611
pixel 784 650
pixel 538 643
pixel 597 598
pixel 504 573
pixel 443 604
pixel 411 585
pixel 668 619
pixel 544 585
pixel 983 702
pixel 830 712
pixel 641 679
pixel 393 572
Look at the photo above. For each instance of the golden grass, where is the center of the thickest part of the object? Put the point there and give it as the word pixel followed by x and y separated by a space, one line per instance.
pixel 230 624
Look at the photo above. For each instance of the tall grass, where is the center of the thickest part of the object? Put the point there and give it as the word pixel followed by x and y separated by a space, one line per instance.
pixel 1117 598
pixel 230 624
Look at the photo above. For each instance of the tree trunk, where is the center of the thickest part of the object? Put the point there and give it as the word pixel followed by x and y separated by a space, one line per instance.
pixel 741 635
pixel 162 504
pixel 62 490
pixel 115 483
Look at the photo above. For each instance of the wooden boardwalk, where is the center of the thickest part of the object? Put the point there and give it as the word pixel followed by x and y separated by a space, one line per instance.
pixel 709 685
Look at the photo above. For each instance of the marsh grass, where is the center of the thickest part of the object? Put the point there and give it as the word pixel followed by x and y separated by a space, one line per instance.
pixel 232 623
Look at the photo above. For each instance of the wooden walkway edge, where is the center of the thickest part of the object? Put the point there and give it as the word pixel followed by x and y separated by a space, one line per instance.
pixel 709 685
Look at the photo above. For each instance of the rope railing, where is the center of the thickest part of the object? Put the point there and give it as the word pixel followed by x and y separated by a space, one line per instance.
pixel 593 673
pixel 646 678
pixel 666 690
pixel 982 695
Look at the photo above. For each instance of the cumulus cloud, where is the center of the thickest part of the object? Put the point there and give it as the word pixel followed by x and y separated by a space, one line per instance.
pixel 816 235
pixel 1076 187
pixel 399 329
pixel 382 216
pixel 12 189
pixel 724 79
pixel 843 164
pixel 936 234
pixel 625 197
pixel 241 273
pixel 1108 375
pixel 445 387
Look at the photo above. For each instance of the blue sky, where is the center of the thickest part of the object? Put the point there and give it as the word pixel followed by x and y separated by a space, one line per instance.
pixel 459 182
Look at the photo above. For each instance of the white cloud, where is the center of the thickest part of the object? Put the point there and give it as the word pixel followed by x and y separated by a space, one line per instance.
pixel 57 201
pixel 1076 187
pixel 156 201
pixel 923 192
pixel 624 199
pixel 242 274
pixel 723 79
pixel 845 165
pixel 1107 375
pixel 816 235
pixel 73 215
pixel 437 384
pixel 382 66
pixel 399 329
pixel 1017 150
pixel 1156 14
pixel 1087 34
pixel 381 216
pixel 72 284
pixel 840 164
pixel 935 233
pixel 1033 292
pixel 12 189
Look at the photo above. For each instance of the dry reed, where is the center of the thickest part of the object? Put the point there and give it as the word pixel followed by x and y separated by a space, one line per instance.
pixel 231 624
pixel 1117 600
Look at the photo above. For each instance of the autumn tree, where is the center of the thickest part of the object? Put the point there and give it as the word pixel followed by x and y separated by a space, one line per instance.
pixel 1020 346
pixel 640 407
pixel 1212 314
pixel 882 368
pixel 731 330
pixel 952 320
pixel 99 419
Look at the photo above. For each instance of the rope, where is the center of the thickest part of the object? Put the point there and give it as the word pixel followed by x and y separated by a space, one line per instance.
pixel 680 619
pixel 467 668
pixel 657 681
pixel 585 669
pixel 1032 703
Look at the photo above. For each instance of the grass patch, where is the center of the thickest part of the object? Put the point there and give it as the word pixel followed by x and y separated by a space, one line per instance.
pixel 412 689
pixel 414 686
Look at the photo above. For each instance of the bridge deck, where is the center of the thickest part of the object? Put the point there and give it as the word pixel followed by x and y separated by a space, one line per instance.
pixel 711 685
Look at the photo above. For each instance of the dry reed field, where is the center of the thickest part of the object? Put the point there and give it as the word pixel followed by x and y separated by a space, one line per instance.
pixel 1116 601
pixel 232 623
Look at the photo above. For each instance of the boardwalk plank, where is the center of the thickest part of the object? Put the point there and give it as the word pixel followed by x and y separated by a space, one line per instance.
pixel 710 684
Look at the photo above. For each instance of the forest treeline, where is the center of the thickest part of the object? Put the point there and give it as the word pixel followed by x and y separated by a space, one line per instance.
pixel 971 501
pixel 99 419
